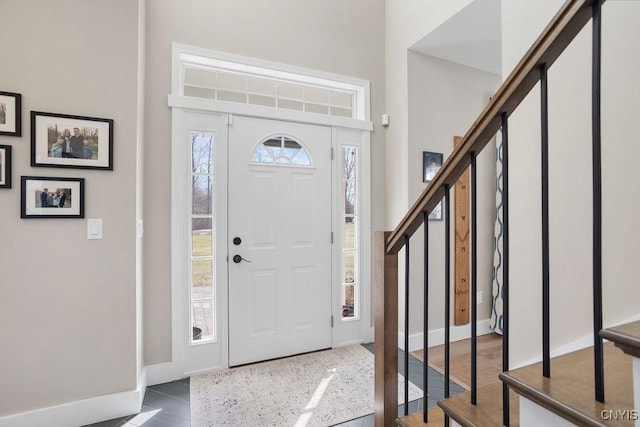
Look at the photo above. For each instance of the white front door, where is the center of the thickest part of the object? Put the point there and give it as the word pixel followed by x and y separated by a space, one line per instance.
pixel 279 216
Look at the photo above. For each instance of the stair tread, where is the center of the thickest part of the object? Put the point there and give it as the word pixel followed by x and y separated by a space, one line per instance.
pixel 435 416
pixel 487 412
pixel 626 337
pixel 570 390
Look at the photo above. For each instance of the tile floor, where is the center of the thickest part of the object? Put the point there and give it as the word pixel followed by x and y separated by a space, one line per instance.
pixel 164 405
pixel 167 405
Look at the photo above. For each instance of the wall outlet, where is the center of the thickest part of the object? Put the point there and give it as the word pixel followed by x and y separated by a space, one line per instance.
pixel 479 297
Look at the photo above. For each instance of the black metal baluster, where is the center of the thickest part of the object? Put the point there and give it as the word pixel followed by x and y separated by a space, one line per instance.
pixel 544 119
pixel 474 282
pixel 597 204
pixel 505 270
pixel 447 292
pixel 406 325
pixel 425 329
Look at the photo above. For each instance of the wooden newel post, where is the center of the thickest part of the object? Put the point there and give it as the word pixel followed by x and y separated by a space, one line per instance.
pixel 385 296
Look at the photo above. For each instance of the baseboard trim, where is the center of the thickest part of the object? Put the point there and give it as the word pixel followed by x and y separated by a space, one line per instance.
pixel 160 373
pixel 579 344
pixel 81 412
pixel 94 410
pixel 436 336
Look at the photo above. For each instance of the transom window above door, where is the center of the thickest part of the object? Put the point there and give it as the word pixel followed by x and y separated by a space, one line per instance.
pixel 281 150
pixel 227 79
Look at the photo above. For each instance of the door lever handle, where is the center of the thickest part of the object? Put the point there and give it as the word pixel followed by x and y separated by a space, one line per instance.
pixel 237 259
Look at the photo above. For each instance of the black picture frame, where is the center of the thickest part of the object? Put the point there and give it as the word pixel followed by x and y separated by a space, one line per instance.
pixel 431 164
pixel 56 144
pixel 39 190
pixel 10 114
pixel 5 166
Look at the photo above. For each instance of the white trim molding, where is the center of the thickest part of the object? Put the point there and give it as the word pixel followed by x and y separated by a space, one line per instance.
pixel 161 373
pixel 81 412
pixel 436 336
pixel 210 105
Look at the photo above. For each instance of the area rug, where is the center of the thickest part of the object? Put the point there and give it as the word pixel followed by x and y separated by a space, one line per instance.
pixel 316 389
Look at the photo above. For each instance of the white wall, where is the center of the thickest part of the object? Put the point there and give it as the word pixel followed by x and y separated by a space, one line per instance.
pixel 406 21
pixel 67 304
pixel 335 36
pixel 430 101
pixel 570 181
pixel 444 100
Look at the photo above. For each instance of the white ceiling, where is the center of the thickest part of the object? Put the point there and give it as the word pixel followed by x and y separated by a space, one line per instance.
pixel 472 37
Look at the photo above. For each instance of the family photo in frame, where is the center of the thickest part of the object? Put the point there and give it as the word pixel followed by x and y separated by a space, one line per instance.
pixel 431 164
pixel 66 141
pixel 49 197
pixel 5 166
pixel 10 114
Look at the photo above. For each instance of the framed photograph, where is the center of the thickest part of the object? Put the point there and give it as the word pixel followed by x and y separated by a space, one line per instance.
pixel 10 114
pixel 64 141
pixel 5 166
pixel 52 197
pixel 431 164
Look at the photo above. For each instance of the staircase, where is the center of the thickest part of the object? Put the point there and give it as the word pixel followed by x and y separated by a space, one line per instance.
pixel 563 391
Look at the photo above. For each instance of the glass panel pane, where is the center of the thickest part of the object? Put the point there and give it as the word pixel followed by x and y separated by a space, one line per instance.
pixel 290 143
pixel 289 105
pixel 290 152
pixel 262 155
pixel 348 301
pixel 199 92
pixel 202 319
pixel 194 76
pixel 262 86
pixel 349 161
pixel 273 149
pixel 302 158
pixel 224 95
pixel 274 142
pixel 232 82
pixel 290 90
pixel 316 108
pixel 350 197
pixel 349 268
pixel 201 237
pixel 349 235
pixel 283 160
pixel 202 273
pixel 316 95
pixel 202 193
pixel 202 152
pixel 341 99
pixel 267 101
pixel 341 112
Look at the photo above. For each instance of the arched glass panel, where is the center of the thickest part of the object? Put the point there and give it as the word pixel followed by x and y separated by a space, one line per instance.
pixel 281 150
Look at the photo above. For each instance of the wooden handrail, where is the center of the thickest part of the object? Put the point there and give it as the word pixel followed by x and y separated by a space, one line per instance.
pixel 562 29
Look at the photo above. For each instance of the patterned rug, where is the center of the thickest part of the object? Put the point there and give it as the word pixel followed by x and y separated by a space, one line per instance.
pixel 316 389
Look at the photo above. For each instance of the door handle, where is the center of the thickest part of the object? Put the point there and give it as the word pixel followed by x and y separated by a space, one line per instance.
pixel 237 259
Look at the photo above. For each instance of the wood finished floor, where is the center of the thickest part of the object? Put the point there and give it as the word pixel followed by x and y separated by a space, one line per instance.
pixel 489 360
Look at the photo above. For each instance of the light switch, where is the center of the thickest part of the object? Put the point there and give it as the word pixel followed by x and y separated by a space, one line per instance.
pixel 94 229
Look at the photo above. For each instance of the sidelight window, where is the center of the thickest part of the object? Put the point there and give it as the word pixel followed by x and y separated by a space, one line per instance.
pixel 202 237
pixel 350 239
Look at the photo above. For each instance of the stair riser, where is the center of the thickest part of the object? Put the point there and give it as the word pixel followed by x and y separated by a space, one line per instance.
pixel 533 415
